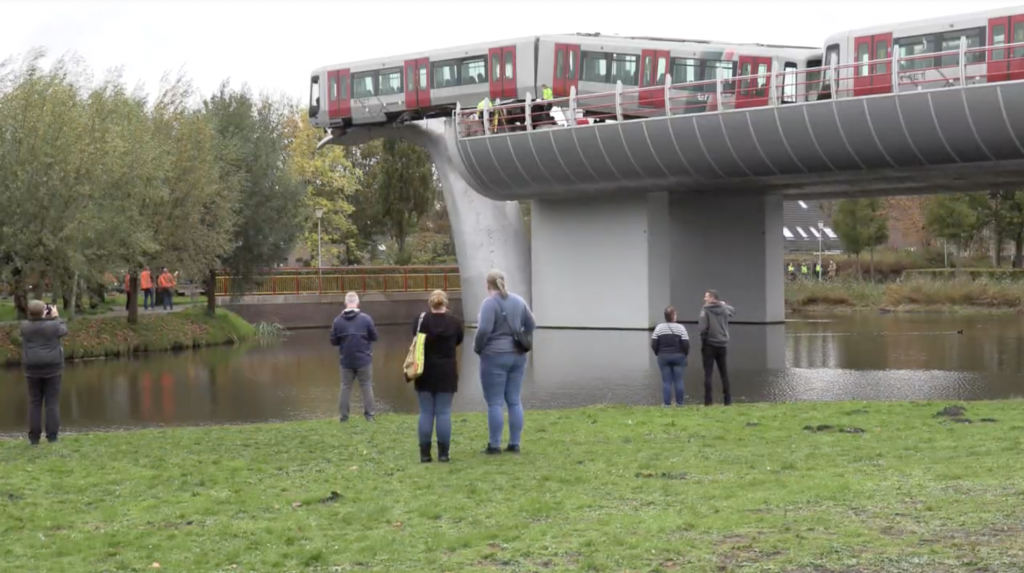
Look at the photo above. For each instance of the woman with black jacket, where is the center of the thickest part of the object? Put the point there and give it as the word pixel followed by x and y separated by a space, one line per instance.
pixel 437 385
pixel 671 344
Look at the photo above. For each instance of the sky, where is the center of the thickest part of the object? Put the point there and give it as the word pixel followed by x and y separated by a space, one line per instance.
pixel 273 46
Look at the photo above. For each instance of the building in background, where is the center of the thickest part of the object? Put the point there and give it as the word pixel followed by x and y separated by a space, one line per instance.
pixel 800 228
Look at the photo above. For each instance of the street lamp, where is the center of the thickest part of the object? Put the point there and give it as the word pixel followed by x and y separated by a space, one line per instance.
pixel 821 229
pixel 319 215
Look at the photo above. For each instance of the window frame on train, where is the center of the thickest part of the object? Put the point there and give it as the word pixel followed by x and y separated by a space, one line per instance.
pixel 458 66
pixel 612 61
pixel 314 95
pixel 933 42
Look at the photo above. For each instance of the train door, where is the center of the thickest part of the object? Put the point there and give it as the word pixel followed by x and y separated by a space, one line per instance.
pixel 417 89
pixel 503 73
pixel 869 79
pixel 510 89
pixel 1006 64
pixel 653 68
pixel 338 101
pixel 567 57
pixel 753 91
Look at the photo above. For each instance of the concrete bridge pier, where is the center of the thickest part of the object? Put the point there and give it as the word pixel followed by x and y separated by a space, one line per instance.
pixel 615 263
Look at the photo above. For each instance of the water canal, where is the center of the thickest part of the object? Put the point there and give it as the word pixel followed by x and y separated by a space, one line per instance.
pixel 853 357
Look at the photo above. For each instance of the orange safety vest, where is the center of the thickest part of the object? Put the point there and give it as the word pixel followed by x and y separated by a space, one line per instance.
pixel 145 280
pixel 166 280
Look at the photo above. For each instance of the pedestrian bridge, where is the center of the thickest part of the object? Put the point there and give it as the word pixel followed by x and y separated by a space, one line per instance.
pixel 958 128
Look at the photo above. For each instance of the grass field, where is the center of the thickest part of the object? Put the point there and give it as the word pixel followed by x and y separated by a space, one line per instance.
pixel 917 294
pixel 113 302
pixel 885 487
pixel 113 336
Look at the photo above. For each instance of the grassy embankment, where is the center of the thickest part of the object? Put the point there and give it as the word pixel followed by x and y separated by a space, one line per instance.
pixel 750 488
pixel 112 303
pixel 912 295
pixel 113 336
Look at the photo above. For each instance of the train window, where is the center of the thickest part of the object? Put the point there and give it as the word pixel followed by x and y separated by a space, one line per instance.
pixel 314 95
pixel 473 71
pixel 727 70
pixel 685 70
pixel 594 67
pixel 881 53
pixel 831 58
pixel 446 74
pixel 362 84
pixel 496 66
pixel 789 83
pixel 648 71
pixel 410 77
pixel 343 80
pixel 863 56
pixel 624 69
pixel 390 81
pixel 945 42
pixel 745 82
pixel 813 79
pixel 762 80
pixel 423 77
pixel 571 74
pixel 334 89
pixel 998 39
pixel 510 65
pixel 560 63
pixel 1018 37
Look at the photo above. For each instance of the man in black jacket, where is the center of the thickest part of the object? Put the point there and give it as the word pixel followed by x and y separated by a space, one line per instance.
pixel 713 326
pixel 42 357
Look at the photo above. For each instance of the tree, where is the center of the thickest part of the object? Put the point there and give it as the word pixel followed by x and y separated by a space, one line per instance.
pixel 861 225
pixel 955 217
pixel 330 181
pixel 405 188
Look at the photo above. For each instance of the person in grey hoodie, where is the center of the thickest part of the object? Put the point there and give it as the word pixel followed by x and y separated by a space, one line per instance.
pixel 713 326
pixel 42 357
pixel 354 333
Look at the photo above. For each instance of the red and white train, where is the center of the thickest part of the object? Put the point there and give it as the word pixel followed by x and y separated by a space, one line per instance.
pixel 431 84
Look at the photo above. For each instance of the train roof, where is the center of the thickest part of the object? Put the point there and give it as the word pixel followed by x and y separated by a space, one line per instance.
pixel 929 22
pixel 631 41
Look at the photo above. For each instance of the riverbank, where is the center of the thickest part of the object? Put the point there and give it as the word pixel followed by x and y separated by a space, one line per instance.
pixel 800 487
pixel 109 336
pixel 916 295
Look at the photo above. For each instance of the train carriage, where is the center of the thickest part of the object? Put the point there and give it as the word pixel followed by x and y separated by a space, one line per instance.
pixel 915 42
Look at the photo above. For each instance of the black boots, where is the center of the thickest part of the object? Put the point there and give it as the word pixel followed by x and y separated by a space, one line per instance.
pixel 442 452
pixel 425 453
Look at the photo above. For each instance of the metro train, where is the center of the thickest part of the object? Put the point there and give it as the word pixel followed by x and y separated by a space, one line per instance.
pixel 431 84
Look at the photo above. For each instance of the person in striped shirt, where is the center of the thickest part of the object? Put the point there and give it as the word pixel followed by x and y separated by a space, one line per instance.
pixel 671 345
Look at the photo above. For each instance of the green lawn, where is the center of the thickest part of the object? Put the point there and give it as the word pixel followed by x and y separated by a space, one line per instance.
pixel 599 489
pixel 113 302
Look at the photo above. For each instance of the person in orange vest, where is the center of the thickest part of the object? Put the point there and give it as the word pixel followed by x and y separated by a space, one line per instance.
pixel 146 284
pixel 166 283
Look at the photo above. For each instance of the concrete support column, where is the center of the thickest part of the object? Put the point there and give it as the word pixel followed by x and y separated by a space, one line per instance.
pixel 601 263
pixel 730 244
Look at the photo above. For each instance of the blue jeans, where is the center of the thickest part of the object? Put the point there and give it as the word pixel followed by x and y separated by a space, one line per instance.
pixel 501 375
pixel 672 367
pixel 435 407
pixel 168 298
pixel 148 298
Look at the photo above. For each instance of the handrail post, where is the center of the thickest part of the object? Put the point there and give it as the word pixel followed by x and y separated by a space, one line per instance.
pixel 668 95
pixel 895 68
pixel 458 121
pixel 963 61
pixel 835 77
pixel 773 98
pixel 527 111
pixel 618 100
pixel 486 116
pixel 572 106
pixel 719 82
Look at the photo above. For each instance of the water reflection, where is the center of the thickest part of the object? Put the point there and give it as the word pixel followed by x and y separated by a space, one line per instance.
pixel 857 357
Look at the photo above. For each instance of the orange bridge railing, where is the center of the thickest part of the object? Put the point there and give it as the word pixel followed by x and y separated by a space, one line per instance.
pixel 340 280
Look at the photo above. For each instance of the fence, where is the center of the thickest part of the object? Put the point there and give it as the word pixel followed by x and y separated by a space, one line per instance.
pixel 345 279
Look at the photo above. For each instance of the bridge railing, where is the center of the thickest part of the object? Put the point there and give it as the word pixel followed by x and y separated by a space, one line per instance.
pixel 776 86
pixel 347 279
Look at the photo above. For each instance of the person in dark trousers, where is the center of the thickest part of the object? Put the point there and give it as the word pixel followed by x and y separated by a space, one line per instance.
pixel 713 326
pixel 42 357
pixel 354 333
pixel 671 345
pixel 437 385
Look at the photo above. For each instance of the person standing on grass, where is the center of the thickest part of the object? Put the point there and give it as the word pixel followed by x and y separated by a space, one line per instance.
pixel 354 333
pixel 671 345
pixel 146 284
pixel 505 319
pixel 42 358
pixel 166 282
pixel 713 326
pixel 436 386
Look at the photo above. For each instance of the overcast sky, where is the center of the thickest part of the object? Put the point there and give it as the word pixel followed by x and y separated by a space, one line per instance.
pixel 273 46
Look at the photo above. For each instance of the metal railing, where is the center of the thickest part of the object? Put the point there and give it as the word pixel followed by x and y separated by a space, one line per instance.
pixel 771 88
pixel 340 280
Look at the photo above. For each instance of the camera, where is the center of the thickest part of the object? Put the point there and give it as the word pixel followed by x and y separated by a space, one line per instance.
pixel 49 311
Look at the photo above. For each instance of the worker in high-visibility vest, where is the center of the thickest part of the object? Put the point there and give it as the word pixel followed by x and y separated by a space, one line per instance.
pixel 486 102
pixel 546 92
